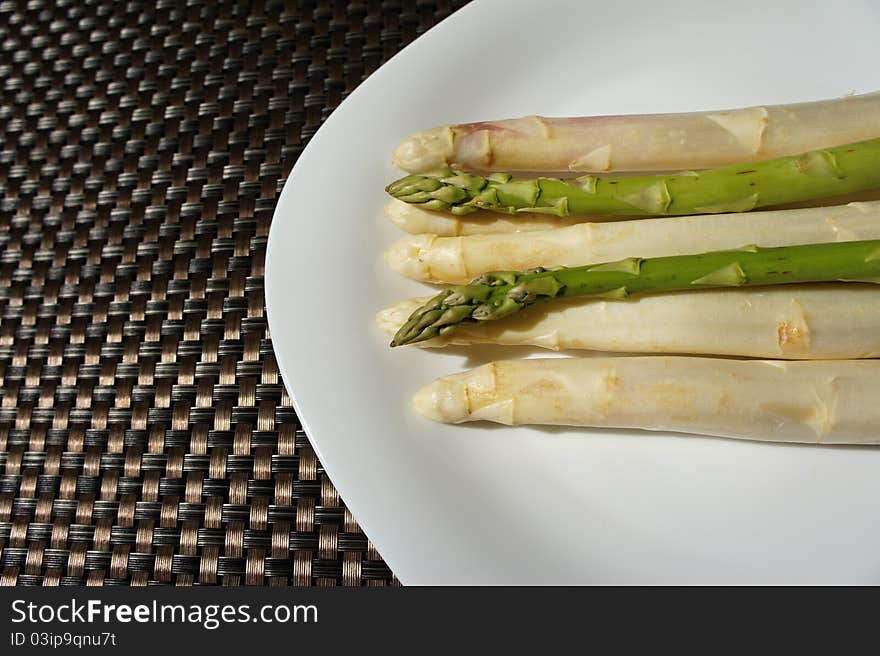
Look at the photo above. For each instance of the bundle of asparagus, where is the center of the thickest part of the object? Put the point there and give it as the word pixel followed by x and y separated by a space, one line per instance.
pixel 781 283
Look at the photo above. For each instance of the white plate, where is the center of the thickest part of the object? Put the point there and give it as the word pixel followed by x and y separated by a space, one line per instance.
pixel 482 505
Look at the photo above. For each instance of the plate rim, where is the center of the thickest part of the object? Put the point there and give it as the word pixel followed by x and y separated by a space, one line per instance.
pixel 313 144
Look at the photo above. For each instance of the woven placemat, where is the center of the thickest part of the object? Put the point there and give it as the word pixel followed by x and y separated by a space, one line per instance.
pixel 145 434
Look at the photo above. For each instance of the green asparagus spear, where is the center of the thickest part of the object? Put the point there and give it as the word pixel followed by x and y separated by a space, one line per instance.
pixel 496 295
pixel 738 188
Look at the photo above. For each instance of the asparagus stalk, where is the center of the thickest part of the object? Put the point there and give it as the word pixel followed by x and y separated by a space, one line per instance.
pixel 828 402
pixel 654 142
pixel 500 294
pixel 415 220
pixel 456 260
pixel 798 322
pixel 736 188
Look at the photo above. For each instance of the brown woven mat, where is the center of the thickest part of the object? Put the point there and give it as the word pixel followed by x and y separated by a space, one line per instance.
pixel 145 435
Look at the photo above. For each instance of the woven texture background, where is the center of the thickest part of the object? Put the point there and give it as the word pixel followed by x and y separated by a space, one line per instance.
pixel 145 434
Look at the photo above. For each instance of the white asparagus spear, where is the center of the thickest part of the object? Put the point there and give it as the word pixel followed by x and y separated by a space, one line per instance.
pixel 457 260
pixel 417 221
pixel 830 402
pixel 833 321
pixel 652 142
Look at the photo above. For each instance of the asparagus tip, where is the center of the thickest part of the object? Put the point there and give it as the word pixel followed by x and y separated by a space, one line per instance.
pixel 426 150
pixel 443 189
